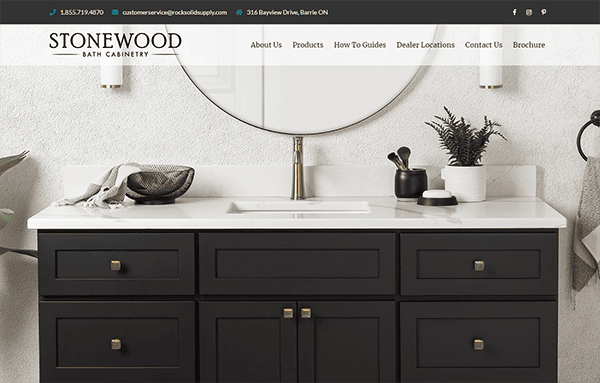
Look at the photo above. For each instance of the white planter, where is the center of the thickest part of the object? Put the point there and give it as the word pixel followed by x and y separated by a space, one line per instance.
pixel 467 183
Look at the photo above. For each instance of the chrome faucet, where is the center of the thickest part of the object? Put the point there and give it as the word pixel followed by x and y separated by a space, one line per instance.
pixel 298 171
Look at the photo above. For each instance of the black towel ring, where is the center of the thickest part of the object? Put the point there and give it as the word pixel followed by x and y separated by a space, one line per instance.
pixel 595 119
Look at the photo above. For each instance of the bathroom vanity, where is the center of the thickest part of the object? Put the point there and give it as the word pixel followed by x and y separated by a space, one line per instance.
pixel 210 291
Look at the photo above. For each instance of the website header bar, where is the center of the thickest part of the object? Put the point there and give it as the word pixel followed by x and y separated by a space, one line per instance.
pixel 300 12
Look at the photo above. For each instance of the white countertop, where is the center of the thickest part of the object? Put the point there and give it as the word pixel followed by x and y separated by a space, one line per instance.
pixel 385 213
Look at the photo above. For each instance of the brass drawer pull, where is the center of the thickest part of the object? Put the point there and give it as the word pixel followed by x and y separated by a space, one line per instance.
pixel 478 344
pixel 305 313
pixel 288 313
pixel 115 265
pixel 479 265
pixel 115 344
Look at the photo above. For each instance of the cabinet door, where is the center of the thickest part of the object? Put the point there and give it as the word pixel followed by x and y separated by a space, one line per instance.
pixel 247 342
pixel 347 342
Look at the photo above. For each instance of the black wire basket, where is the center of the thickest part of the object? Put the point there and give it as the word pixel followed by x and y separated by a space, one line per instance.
pixel 159 184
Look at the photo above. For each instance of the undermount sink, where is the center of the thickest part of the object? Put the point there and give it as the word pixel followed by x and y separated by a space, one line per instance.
pixel 306 207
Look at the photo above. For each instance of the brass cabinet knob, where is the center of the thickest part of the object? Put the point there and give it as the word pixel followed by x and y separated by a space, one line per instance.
pixel 288 313
pixel 115 265
pixel 479 265
pixel 115 344
pixel 305 313
pixel 478 344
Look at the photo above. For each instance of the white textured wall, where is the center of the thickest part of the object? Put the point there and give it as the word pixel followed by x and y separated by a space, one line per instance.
pixel 64 118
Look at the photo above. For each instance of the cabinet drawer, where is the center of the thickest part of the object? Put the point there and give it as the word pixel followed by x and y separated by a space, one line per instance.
pixel 297 263
pixel 117 341
pixel 518 341
pixel 479 264
pixel 116 264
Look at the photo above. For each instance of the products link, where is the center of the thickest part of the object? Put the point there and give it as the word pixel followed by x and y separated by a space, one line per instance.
pixel 191 12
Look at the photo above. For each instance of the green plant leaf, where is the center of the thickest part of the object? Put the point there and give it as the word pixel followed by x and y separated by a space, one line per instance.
pixel 5 216
pixel 10 161
pixel 464 145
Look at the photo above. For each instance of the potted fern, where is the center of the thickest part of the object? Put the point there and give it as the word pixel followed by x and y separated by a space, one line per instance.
pixel 465 176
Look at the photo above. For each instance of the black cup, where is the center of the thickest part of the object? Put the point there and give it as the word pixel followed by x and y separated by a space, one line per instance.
pixel 410 183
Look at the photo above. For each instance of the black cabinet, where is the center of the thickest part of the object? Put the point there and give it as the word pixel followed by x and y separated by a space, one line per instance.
pixel 489 338
pixel 303 341
pixel 298 306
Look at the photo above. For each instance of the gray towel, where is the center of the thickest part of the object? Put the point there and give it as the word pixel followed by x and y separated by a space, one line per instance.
pixel 586 252
pixel 107 190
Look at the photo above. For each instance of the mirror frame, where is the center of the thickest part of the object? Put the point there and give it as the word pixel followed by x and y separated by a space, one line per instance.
pixel 317 133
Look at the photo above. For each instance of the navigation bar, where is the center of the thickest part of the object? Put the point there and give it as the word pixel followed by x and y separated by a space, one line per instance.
pixel 291 45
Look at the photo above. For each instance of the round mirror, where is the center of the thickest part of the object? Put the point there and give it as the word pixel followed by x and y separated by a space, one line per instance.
pixel 309 88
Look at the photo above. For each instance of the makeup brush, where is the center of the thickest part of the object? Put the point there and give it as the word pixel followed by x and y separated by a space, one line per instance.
pixel 394 158
pixel 404 153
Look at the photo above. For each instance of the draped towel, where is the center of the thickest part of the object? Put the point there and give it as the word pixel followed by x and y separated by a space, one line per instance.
pixel 586 237
pixel 107 190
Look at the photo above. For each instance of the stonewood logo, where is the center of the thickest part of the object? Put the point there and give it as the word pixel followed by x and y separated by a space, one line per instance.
pixel 114 44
